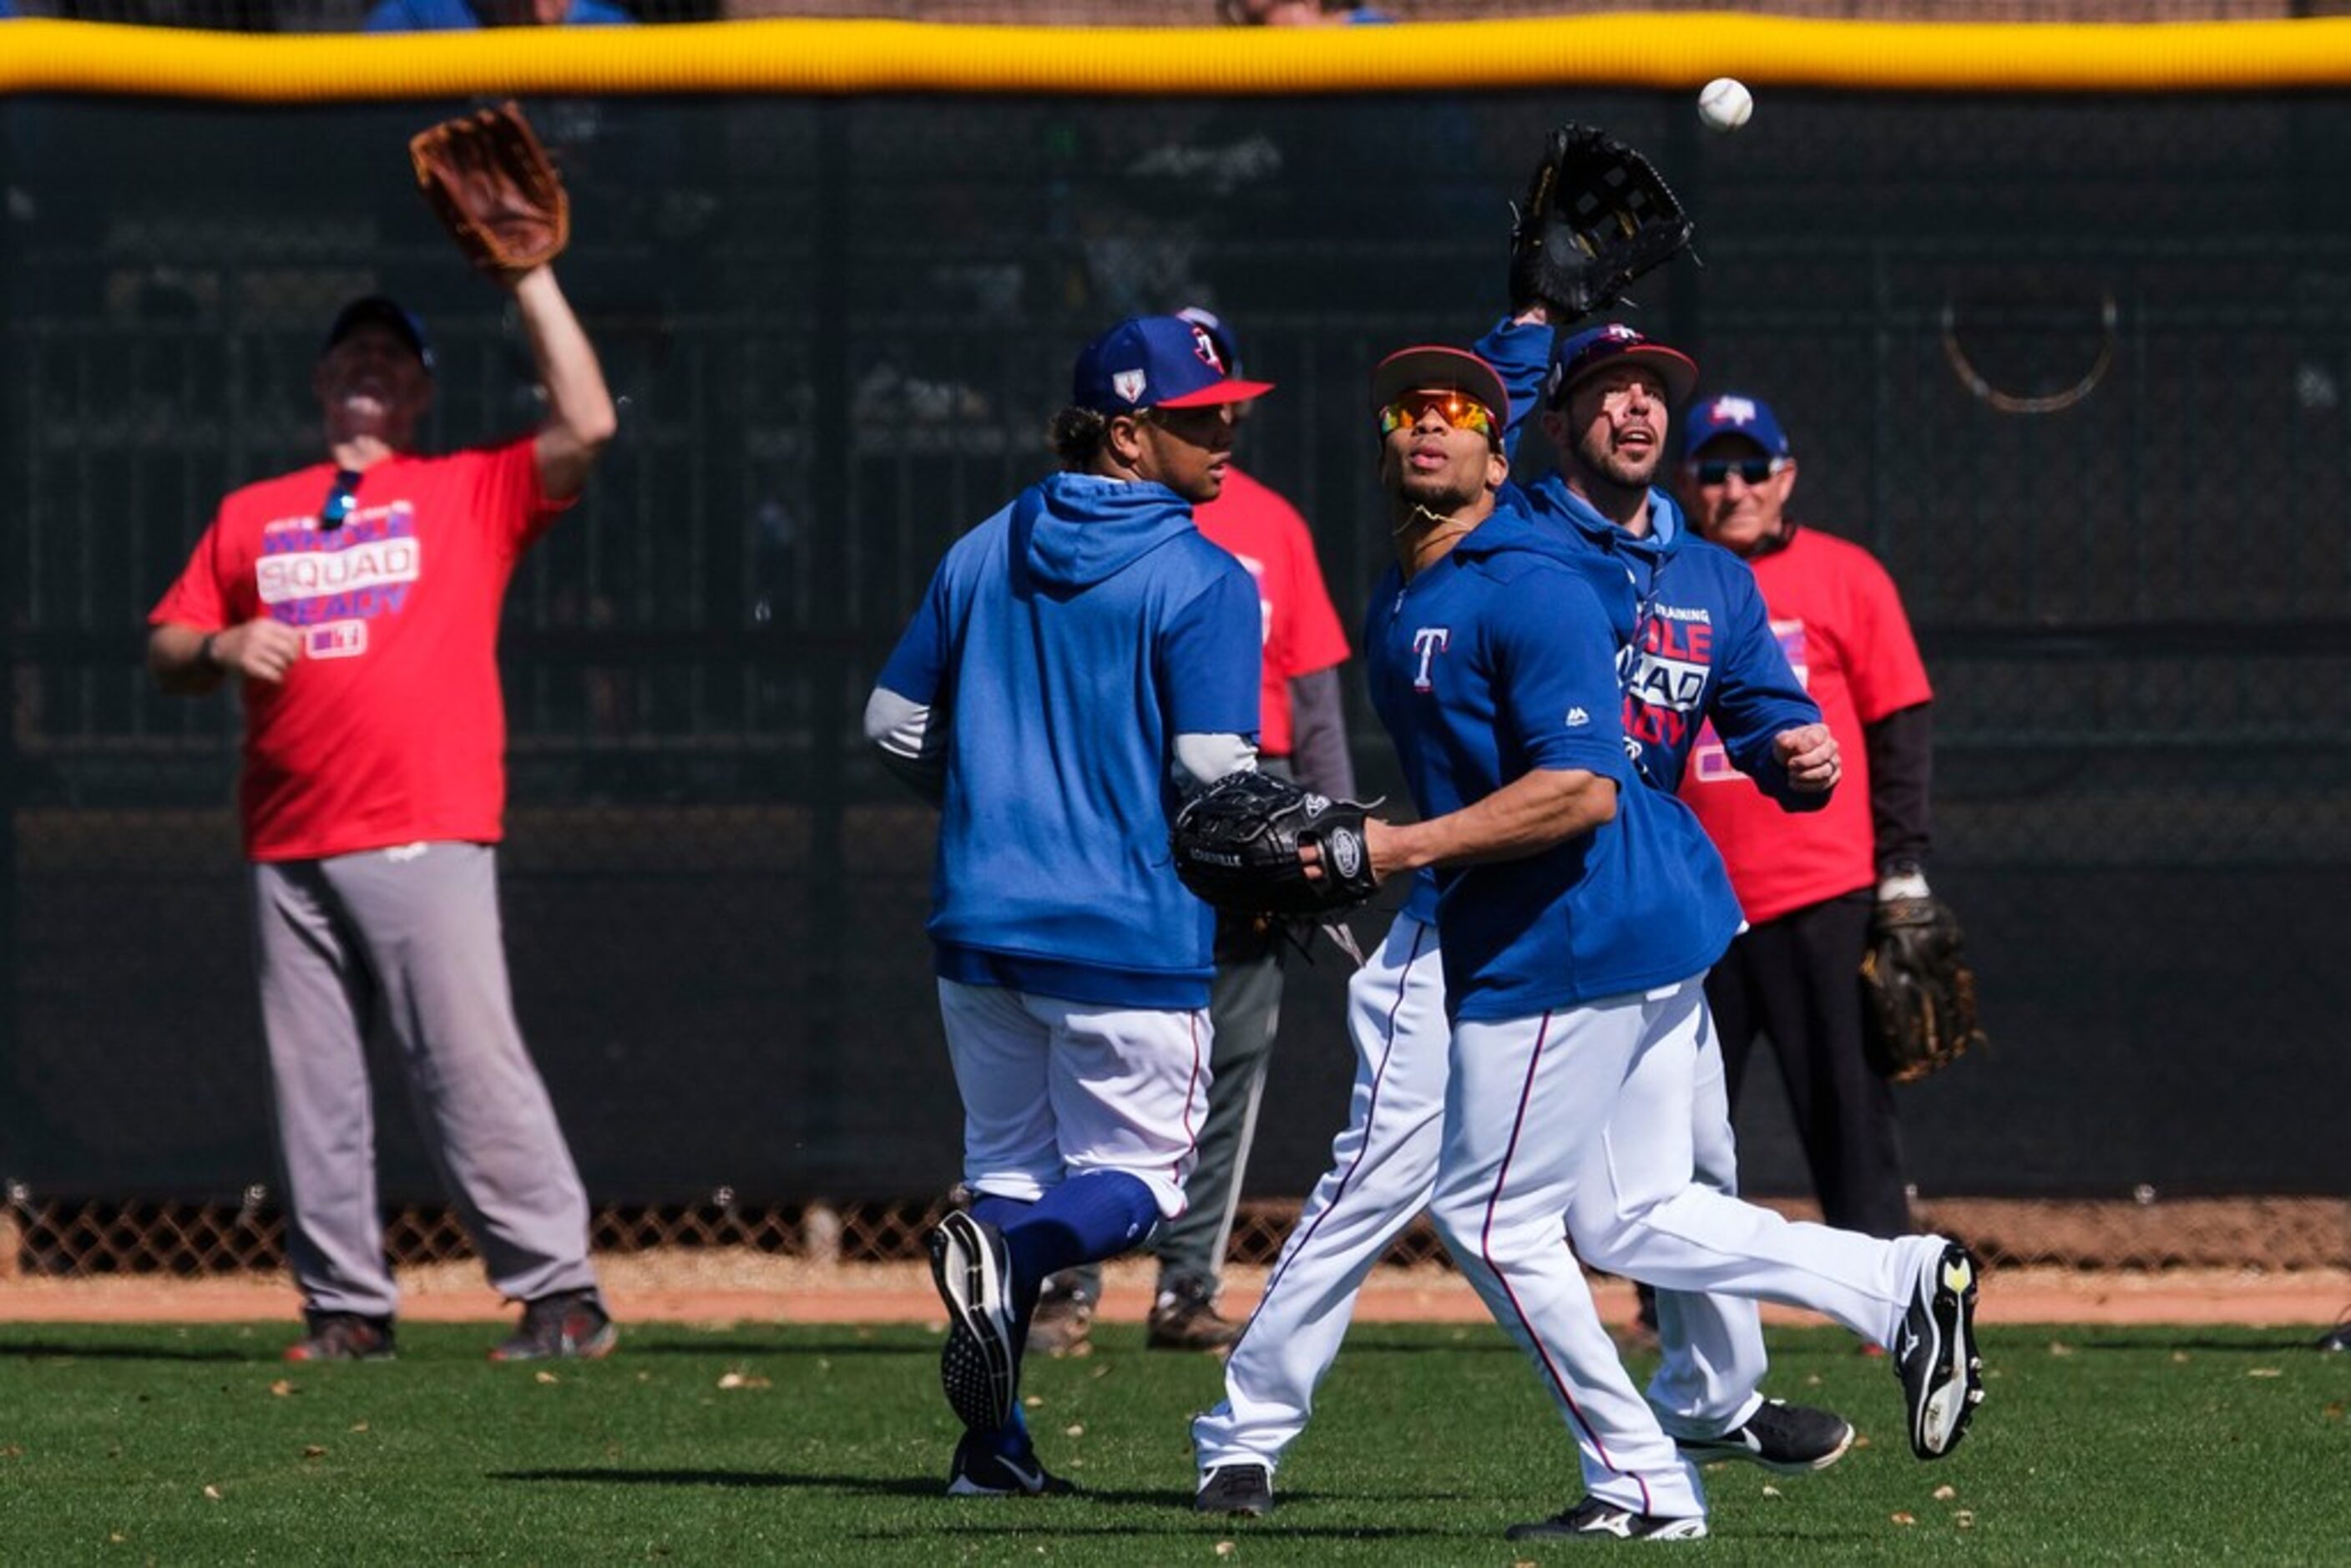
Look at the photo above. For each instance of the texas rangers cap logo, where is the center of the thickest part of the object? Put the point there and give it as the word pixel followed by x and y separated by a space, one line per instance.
pixel 1129 384
pixel 1730 410
pixel 1206 347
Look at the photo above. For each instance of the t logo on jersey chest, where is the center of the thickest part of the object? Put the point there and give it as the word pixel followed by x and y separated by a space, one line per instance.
pixel 1428 642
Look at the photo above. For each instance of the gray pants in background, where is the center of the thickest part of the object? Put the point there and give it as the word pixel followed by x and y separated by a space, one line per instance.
pixel 408 936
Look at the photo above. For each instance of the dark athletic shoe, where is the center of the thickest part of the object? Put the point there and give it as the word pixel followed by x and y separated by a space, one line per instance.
pixel 1062 1324
pixel 2336 1338
pixel 1244 1490
pixel 1185 1318
pixel 1593 1519
pixel 1789 1439
pixel 1935 1354
pixel 981 1468
pixel 978 1369
pixel 571 1325
pixel 342 1336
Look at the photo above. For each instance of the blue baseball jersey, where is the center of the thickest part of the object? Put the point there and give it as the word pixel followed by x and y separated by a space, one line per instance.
pixel 1496 662
pixel 1063 645
pixel 1703 646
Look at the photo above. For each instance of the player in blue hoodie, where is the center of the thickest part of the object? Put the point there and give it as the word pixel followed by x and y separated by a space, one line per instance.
pixel 1081 658
pixel 1634 1212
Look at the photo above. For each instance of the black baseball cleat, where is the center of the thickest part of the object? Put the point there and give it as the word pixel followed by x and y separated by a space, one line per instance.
pixel 2336 1338
pixel 1593 1519
pixel 977 1368
pixel 1243 1490
pixel 1789 1439
pixel 1935 1354
pixel 982 1468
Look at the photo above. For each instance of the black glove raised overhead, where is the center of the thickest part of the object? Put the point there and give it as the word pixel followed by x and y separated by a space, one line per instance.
pixel 1597 215
pixel 1236 845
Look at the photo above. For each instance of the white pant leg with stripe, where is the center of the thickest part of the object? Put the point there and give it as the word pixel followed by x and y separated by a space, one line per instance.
pixel 1639 1214
pixel 1052 1089
pixel 1529 1101
pixel 1383 1168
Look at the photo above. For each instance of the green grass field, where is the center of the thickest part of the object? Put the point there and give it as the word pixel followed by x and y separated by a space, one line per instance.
pixel 828 1445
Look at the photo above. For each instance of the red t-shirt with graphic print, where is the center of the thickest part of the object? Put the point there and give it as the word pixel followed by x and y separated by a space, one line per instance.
pixel 1841 624
pixel 1253 524
pixel 390 728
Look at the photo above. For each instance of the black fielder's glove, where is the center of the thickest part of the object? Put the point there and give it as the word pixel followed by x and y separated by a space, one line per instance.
pixel 1597 215
pixel 1236 845
pixel 1917 994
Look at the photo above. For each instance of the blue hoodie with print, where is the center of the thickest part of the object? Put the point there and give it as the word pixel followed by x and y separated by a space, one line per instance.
pixel 1495 662
pixel 1703 646
pixel 1062 645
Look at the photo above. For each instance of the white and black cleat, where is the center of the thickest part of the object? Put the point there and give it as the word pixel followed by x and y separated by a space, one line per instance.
pixel 1935 1354
pixel 977 1369
pixel 1789 1439
pixel 1592 1520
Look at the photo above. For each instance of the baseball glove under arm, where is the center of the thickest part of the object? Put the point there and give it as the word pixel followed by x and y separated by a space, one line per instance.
pixel 490 183
pixel 1597 215
pixel 1236 843
pixel 1917 994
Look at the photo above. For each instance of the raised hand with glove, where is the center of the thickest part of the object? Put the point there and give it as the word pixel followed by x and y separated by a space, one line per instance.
pixel 495 191
pixel 1597 216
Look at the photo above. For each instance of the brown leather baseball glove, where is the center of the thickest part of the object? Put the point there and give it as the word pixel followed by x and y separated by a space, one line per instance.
pixel 1918 993
pixel 490 183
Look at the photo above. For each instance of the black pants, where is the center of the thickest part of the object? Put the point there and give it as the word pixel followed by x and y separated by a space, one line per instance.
pixel 1796 979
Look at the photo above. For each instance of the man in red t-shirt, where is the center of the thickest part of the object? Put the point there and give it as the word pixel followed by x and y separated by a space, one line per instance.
pixel 1808 883
pixel 1301 735
pixel 355 605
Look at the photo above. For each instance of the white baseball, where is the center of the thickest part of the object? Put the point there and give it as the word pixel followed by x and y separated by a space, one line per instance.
pixel 1725 104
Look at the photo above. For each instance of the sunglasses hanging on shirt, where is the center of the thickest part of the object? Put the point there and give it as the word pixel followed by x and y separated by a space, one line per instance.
pixel 342 498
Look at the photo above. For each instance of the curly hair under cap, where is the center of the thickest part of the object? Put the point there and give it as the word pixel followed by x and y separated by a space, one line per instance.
pixel 1076 435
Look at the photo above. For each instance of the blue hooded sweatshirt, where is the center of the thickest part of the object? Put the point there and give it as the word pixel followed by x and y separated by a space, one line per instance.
pixel 1063 645
pixel 1498 661
pixel 1703 648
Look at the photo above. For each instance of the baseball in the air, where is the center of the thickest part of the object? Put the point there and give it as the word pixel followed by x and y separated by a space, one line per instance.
pixel 1725 104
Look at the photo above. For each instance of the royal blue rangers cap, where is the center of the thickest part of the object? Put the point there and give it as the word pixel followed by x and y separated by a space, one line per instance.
pixel 376 311
pixel 1596 349
pixel 1432 367
pixel 1156 361
pixel 1733 414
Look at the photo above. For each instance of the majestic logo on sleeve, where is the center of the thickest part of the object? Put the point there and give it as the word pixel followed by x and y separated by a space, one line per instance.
pixel 1428 642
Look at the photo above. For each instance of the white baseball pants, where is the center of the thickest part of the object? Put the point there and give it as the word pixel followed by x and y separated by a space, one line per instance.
pixel 1052 1088
pixel 1383 1173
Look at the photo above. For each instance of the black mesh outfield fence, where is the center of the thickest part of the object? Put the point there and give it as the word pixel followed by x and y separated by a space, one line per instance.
pixel 2076 368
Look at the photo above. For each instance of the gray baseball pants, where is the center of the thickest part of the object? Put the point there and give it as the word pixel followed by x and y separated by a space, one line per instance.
pixel 408 939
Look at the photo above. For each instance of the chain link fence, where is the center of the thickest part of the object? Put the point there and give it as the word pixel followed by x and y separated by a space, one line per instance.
pixel 2075 370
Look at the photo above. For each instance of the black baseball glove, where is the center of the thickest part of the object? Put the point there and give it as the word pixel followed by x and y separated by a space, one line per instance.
pixel 1236 845
pixel 1917 994
pixel 1597 215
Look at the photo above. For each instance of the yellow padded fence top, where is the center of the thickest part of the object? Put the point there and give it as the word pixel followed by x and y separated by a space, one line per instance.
pixel 842 57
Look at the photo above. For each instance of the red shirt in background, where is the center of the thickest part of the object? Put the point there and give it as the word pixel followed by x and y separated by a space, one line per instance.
pixel 390 728
pixel 1301 630
pixel 1841 625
